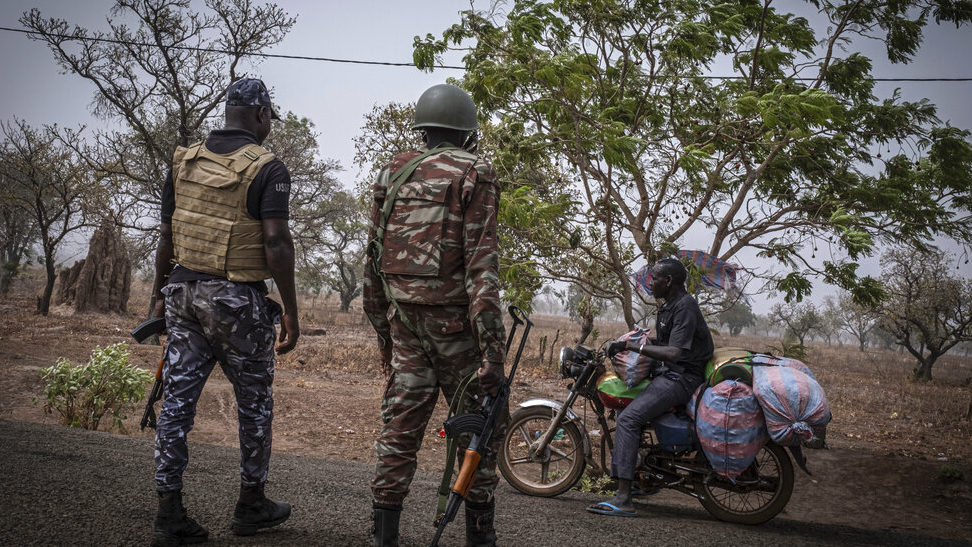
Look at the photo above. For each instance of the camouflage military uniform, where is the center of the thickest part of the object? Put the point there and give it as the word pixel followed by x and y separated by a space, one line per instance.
pixel 440 263
pixel 208 321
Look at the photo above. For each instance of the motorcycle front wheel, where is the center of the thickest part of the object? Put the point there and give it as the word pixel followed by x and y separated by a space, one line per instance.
pixel 551 472
pixel 758 494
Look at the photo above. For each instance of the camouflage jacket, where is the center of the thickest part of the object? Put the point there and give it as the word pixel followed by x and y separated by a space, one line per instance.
pixel 440 244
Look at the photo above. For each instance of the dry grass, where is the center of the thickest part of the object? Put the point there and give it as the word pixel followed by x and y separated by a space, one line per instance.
pixel 876 404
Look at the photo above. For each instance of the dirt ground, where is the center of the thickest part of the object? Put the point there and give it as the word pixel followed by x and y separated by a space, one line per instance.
pixel 894 443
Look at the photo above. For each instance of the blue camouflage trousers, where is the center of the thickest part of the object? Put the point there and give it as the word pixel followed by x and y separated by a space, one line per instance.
pixel 210 321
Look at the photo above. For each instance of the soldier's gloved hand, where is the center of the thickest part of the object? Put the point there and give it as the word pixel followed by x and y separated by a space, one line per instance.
pixel 289 332
pixel 615 348
pixel 491 377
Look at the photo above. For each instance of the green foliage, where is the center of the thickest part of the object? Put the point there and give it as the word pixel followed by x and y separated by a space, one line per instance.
pixel 613 93
pixel 737 317
pixel 596 483
pixel 950 474
pixel 83 394
pixel 792 348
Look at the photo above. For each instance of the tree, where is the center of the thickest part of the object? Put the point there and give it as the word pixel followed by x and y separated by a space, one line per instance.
pixel 18 232
pixel 582 308
pixel 48 182
pixel 926 309
pixel 830 319
pixel 763 325
pixel 345 246
pixel 778 158
pixel 387 132
pixel 162 73
pixel 799 320
pixel 313 186
pixel 737 317
pixel 856 319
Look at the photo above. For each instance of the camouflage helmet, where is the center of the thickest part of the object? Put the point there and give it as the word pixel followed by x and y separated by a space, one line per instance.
pixel 447 106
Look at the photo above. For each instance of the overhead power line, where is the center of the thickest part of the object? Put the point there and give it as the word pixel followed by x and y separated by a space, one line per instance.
pixel 385 63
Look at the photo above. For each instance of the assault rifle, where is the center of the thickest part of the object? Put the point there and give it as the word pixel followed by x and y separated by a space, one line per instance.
pixel 481 424
pixel 151 327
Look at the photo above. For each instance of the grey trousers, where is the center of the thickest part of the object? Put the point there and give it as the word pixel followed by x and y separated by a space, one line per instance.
pixel 664 392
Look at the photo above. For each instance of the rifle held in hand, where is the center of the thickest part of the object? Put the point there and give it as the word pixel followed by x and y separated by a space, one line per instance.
pixel 481 424
pixel 151 327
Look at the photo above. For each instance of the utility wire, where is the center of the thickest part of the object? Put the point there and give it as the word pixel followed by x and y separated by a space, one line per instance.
pixel 384 63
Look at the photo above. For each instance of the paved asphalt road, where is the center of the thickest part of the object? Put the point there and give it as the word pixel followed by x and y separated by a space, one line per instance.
pixel 71 487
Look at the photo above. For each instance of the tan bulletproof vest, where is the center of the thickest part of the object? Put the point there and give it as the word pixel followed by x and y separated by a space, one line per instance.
pixel 212 231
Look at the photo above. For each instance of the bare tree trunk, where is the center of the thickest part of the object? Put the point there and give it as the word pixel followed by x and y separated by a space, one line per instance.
pixel 552 346
pixel 924 371
pixel 44 302
pixel 6 277
pixel 587 326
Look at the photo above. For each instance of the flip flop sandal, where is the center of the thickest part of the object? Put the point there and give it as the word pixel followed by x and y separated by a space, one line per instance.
pixel 605 508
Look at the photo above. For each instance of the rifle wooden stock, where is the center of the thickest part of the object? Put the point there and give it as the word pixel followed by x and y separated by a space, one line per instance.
pixel 470 462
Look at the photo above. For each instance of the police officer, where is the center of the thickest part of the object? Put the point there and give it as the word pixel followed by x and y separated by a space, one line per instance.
pixel 431 292
pixel 682 348
pixel 224 231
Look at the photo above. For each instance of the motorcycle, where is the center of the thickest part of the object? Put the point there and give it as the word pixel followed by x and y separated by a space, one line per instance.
pixel 547 448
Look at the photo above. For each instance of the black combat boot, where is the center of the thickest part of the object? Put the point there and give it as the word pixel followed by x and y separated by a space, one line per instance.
pixel 385 517
pixel 479 525
pixel 254 511
pixel 172 525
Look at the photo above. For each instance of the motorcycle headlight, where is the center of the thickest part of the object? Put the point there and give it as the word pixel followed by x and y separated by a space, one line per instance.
pixel 570 367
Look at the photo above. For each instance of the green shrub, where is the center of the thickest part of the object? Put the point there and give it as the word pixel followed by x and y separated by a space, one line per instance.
pixel 596 483
pixel 949 474
pixel 83 394
pixel 791 348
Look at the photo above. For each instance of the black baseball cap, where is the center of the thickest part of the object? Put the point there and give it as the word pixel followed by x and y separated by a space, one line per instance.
pixel 250 92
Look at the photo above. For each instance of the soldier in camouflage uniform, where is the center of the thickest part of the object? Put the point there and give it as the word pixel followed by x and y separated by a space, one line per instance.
pixel 224 231
pixel 431 292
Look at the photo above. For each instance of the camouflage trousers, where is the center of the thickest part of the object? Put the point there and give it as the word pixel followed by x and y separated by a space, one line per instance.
pixel 413 389
pixel 209 321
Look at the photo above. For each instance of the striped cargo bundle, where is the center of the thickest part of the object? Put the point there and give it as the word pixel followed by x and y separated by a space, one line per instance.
pixel 631 366
pixel 730 427
pixel 772 360
pixel 793 403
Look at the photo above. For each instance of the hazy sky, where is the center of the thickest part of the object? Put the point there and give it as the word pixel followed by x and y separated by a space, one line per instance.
pixel 337 96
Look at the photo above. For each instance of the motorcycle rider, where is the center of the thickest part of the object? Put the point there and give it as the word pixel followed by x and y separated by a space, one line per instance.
pixel 682 348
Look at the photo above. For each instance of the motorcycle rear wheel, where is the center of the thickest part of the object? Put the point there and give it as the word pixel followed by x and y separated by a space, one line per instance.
pixel 758 495
pixel 551 473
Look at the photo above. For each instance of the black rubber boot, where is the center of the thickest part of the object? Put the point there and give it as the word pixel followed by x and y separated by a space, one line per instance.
pixel 479 525
pixel 385 518
pixel 254 511
pixel 172 525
